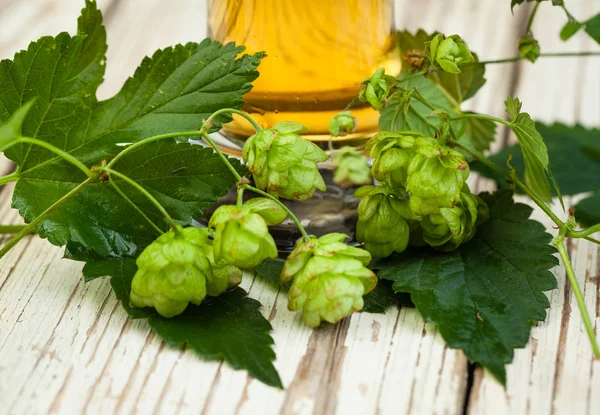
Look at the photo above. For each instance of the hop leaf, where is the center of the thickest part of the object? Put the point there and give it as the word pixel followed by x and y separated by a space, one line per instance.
pixel 283 163
pixel 376 89
pixel 177 269
pixel 241 237
pixel 351 167
pixel 342 124
pixel 383 221
pixel 330 278
pixel 449 53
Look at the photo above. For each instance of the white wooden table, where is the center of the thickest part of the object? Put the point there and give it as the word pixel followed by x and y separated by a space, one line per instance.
pixel 68 347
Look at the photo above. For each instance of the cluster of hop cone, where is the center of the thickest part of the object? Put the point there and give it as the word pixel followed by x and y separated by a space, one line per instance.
pixel 421 198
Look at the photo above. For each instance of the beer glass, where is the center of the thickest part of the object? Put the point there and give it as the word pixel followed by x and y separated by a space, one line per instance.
pixel 318 51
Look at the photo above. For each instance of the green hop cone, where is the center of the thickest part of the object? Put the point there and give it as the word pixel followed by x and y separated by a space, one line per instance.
pixel 330 278
pixel 283 163
pixel 376 89
pixel 392 153
pixel 342 124
pixel 351 167
pixel 242 235
pixel 435 177
pixel 451 227
pixel 383 220
pixel 529 48
pixel 178 269
pixel 449 53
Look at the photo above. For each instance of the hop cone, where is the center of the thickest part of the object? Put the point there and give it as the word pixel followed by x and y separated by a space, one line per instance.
pixel 451 227
pixel 241 234
pixel 376 89
pixel 351 167
pixel 329 278
pixel 435 177
pixel 283 163
pixel 383 221
pixel 178 269
pixel 392 153
pixel 449 53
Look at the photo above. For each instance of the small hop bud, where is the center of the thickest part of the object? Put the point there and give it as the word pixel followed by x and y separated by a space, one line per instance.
pixel 330 278
pixel 283 163
pixel 451 227
pixel 241 236
pixel 383 221
pixel 392 153
pixel 351 167
pixel 449 53
pixel 342 124
pixel 376 89
pixel 435 177
pixel 178 269
pixel 529 48
pixel 414 59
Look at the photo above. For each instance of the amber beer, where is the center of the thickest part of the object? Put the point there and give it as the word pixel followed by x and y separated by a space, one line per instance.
pixel 318 52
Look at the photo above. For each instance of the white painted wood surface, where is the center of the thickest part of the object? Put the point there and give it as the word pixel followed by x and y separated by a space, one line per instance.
pixel 67 347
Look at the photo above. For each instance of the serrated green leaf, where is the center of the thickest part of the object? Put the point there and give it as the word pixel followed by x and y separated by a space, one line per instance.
pixel 269 271
pixel 11 130
pixel 171 92
pixel 535 153
pixel 184 178
pixel 484 295
pixel 482 133
pixel 592 28
pixel 587 211
pixel 381 298
pixel 229 327
pixel 570 149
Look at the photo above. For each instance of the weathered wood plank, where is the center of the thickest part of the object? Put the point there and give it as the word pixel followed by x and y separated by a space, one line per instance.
pixel 555 373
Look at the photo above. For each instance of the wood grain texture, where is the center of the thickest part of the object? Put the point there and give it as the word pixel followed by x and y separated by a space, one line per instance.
pixel 67 347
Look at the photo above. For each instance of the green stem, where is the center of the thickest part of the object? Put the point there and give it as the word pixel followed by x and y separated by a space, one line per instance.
pixel 559 243
pixel 143 191
pixel 11 229
pixel 240 197
pixel 483 117
pixel 136 207
pixel 542 55
pixel 56 151
pixel 284 207
pixel 584 232
pixel 222 156
pixel 532 18
pixel 13 177
pixel 149 140
pixel 594 240
pixel 30 228
pixel 512 176
pixel 238 112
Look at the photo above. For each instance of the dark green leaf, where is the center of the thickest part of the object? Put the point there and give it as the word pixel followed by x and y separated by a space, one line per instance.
pixel 592 28
pixel 484 295
pixel 381 298
pixel 587 211
pixel 11 130
pixel 228 327
pixel 571 152
pixel 184 178
pixel 171 92
pixel 269 271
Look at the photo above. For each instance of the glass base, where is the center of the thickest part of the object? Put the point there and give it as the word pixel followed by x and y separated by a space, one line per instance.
pixel 334 210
